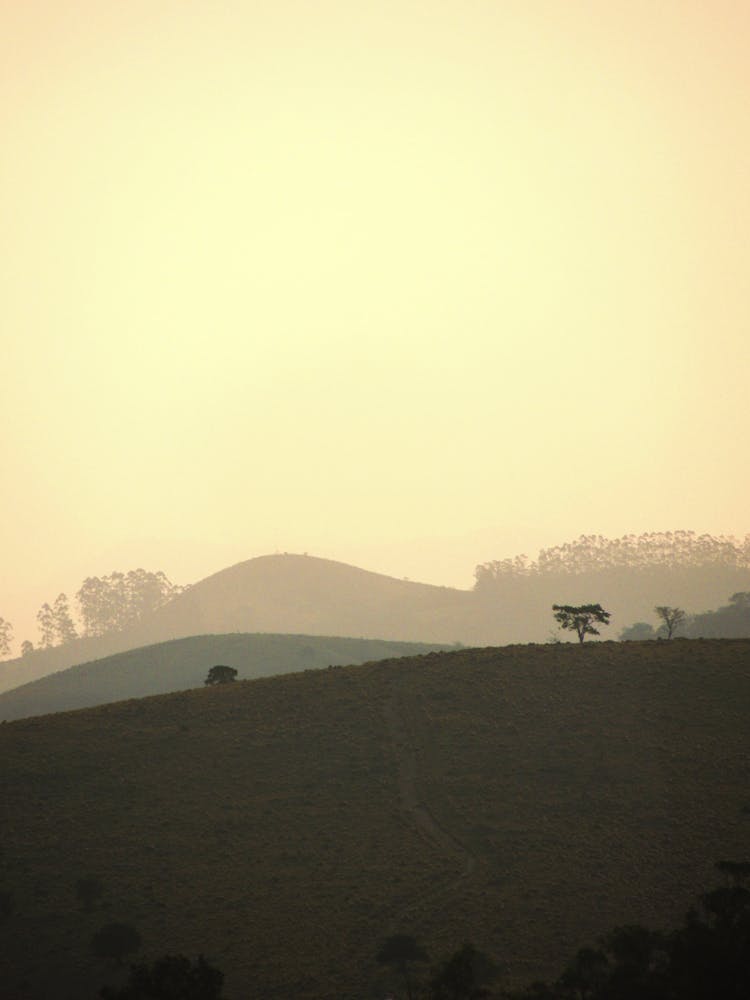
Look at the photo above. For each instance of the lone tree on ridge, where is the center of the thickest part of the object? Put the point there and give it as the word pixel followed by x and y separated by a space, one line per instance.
pixel 221 675
pixel 582 619
pixel 672 618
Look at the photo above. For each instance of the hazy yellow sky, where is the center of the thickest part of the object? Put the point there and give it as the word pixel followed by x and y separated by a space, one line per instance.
pixel 408 284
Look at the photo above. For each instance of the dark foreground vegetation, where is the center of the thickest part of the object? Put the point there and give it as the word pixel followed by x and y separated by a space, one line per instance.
pixel 524 799
pixel 707 958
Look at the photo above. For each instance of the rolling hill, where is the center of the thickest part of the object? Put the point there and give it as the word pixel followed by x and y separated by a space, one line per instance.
pixel 525 798
pixel 305 595
pixel 290 594
pixel 184 663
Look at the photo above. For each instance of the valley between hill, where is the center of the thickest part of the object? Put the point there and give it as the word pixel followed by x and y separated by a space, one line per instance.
pixel 524 798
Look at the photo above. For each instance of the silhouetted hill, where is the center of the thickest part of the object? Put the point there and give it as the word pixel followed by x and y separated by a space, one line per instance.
pixel 184 663
pixel 288 594
pixel 731 620
pixel 523 798
pixel 296 594
pixel 303 594
pixel 629 576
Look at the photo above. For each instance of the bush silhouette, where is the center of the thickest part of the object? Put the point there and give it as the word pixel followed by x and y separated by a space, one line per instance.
pixel 708 958
pixel 220 675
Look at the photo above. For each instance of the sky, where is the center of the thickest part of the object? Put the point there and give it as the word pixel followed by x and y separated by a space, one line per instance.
pixel 411 285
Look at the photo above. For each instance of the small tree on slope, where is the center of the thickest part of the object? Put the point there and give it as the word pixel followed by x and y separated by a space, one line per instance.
pixel 220 675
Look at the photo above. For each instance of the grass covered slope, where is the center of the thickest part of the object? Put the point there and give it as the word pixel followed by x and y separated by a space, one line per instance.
pixel 524 798
pixel 184 663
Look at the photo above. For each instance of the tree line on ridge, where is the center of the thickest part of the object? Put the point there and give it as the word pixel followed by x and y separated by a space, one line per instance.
pixel 105 604
pixel 114 602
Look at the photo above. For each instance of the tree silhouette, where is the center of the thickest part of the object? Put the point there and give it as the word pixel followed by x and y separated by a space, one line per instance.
pixel 708 958
pixel 64 627
pixel 55 623
pixel 6 635
pixel 46 618
pixel 220 675
pixel 112 603
pixel 581 619
pixel 672 618
pixel 594 553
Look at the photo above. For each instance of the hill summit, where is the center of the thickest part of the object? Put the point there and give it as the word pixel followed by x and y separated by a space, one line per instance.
pixel 306 594
pixel 289 594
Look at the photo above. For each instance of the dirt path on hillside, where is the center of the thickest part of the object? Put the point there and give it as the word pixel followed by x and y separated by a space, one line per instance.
pixel 419 813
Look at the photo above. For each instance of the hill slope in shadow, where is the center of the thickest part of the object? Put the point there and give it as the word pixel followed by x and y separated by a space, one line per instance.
pixel 523 798
pixel 184 663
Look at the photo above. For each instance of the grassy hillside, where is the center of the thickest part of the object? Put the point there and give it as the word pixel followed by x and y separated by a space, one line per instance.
pixel 523 798
pixel 184 663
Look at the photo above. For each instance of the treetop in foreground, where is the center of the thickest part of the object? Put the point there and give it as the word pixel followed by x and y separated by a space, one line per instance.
pixel 707 958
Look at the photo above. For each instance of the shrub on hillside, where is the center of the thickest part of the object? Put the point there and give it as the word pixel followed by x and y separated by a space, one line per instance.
pixel 221 675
